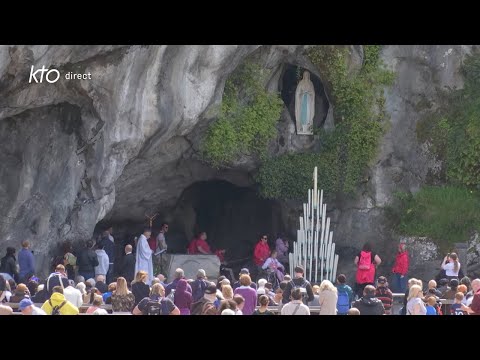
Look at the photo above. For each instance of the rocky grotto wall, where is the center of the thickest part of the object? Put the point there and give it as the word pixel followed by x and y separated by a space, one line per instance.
pixel 127 141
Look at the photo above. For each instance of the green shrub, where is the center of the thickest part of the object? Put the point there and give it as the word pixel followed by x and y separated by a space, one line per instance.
pixel 348 149
pixel 445 214
pixel 247 119
pixel 454 129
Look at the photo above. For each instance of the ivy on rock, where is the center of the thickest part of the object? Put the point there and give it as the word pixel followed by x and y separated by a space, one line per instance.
pixel 445 214
pixel 247 120
pixel 347 150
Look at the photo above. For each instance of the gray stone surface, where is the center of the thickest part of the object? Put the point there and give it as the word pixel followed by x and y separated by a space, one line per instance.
pixel 75 152
pixel 191 263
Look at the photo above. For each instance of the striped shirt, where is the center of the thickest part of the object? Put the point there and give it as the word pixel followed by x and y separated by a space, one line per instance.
pixel 386 297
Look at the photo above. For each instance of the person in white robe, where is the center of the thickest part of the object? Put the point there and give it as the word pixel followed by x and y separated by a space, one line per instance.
pixel 144 255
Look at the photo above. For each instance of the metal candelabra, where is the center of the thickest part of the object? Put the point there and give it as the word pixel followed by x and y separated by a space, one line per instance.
pixel 314 249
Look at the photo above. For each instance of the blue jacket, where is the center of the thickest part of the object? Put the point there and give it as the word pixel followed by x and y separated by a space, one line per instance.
pixel 26 263
pixel 198 289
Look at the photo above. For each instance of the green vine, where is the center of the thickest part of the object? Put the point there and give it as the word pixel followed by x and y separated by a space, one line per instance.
pixel 348 149
pixel 247 119
pixel 444 214
pixel 453 131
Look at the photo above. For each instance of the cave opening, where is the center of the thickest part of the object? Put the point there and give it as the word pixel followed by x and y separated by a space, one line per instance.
pixel 292 74
pixel 233 217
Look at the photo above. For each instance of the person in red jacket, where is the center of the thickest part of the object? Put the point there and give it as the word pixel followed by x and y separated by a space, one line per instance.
pixel 199 245
pixel 262 251
pixel 400 269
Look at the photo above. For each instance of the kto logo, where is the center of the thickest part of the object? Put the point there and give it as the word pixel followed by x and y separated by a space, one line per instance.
pixel 51 78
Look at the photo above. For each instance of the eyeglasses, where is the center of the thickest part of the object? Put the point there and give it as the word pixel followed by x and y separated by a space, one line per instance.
pixel 264 238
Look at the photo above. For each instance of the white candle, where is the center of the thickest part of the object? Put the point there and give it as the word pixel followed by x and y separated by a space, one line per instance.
pixel 335 264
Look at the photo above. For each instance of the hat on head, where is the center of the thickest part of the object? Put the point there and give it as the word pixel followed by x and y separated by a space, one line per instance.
pixel 299 269
pixel 454 283
pixel 211 289
pixel 25 303
pixel 443 282
pixel 201 273
pixel 382 280
pixel 244 271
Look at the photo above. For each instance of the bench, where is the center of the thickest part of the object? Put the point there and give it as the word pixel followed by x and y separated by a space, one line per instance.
pixel 314 310
pixel 82 308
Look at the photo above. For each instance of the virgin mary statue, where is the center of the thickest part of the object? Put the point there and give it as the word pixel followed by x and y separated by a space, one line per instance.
pixel 305 105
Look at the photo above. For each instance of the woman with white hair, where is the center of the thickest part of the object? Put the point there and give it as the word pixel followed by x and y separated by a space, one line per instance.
pixel 261 287
pixel 415 304
pixel 82 288
pixel 100 311
pixel 327 298
pixel 228 312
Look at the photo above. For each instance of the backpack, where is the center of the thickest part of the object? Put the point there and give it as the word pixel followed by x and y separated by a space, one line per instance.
pixel 343 302
pixel 208 309
pixel 156 307
pixel 70 259
pixel 366 270
pixel 365 261
pixel 303 290
pixel 56 309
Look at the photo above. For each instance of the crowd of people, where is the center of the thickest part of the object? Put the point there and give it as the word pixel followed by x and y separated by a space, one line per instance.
pixel 86 283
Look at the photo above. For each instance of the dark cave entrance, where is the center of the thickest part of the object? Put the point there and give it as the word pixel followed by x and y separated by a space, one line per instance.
pixel 233 217
pixel 292 75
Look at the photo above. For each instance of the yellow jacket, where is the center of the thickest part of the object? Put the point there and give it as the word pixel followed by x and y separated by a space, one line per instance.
pixel 57 299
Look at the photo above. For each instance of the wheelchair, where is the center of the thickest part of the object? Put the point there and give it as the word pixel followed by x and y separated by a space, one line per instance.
pixel 271 277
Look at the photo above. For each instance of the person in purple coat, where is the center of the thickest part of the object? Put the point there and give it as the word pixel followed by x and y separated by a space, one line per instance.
pixel 179 274
pixel 182 298
pixel 249 294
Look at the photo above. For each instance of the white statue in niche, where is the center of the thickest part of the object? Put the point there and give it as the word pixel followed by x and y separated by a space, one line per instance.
pixel 305 105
